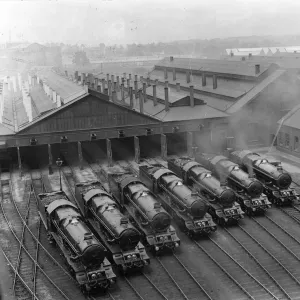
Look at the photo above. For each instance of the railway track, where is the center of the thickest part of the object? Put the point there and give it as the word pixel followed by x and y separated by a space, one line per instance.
pixel 34 278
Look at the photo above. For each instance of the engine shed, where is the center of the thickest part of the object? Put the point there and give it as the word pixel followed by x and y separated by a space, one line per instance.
pixel 43 111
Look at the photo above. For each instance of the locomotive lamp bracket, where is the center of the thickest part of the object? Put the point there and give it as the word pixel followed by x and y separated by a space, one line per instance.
pixel 93 136
pixel 63 139
pixel 175 129
pixel 149 131
pixel 121 133
pixel 33 141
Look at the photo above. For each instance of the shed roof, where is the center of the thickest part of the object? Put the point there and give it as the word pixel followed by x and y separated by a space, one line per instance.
pixel 292 118
pixel 242 68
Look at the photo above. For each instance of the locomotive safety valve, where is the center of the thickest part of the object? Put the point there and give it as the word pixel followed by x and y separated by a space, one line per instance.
pixel 149 131
pixel 93 136
pixel 175 129
pixel 63 139
pixel 33 141
pixel 121 134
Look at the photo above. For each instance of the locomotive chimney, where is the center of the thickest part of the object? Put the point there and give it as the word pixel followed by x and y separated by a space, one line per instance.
pixel 192 100
pixel 166 99
pixel 215 81
pixel 257 69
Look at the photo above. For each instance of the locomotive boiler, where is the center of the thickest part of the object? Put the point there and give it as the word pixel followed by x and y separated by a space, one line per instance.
pixel 85 255
pixel 275 180
pixel 221 199
pixel 186 206
pixel 103 213
pixel 249 191
pixel 144 209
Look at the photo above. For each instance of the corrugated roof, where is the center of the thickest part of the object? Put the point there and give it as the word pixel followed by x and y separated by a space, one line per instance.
pixel 40 100
pixel 242 68
pixel 252 94
pixel 190 113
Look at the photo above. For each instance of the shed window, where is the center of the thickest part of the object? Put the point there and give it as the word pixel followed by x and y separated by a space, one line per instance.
pixel 287 140
pixel 296 143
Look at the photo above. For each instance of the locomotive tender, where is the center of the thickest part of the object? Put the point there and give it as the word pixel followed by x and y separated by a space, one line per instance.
pixel 102 212
pixel 249 191
pixel 84 254
pixel 275 180
pixel 186 206
pixel 221 199
pixel 144 209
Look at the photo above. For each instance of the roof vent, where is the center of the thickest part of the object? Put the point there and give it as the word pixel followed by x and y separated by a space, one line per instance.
pixel 257 69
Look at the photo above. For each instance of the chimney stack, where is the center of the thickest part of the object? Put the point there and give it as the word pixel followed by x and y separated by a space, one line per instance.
pixel 118 83
pixel 115 86
pixel 141 79
pixel 174 74
pixel 136 89
pixel 109 89
pixel 96 82
pixel 166 99
pixel 188 77
pixel 154 95
pixel 167 84
pixel 114 96
pixel 250 55
pixel 58 101
pixel 257 69
pixel 135 77
pixel 124 75
pixel 54 97
pixel 107 77
pixel 141 101
pixel 66 72
pixel 86 88
pixel 215 84
pixel 148 81
pixel 106 91
pixel 128 84
pixel 145 91
pixel 129 76
pixel 203 79
pixel 122 92
pixel 166 73
pixel 177 86
pixel 131 96
pixel 112 78
pixel 192 100
pixel 78 79
pixel 76 75
pixel 103 84
pixel 99 88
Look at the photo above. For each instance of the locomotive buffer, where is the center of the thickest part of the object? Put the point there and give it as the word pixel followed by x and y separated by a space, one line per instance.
pixel 115 230
pixel 84 254
pixel 144 210
pixel 187 207
pixel 276 182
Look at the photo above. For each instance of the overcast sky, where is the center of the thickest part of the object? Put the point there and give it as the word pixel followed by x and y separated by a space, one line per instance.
pixel 143 21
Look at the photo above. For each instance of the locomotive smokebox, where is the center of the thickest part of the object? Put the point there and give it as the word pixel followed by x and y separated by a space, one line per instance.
pixel 129 238
pixel 161 221
pixel 92 255
pixel 255 189
pixel 227 197
pixel 199 208
pixel 284 180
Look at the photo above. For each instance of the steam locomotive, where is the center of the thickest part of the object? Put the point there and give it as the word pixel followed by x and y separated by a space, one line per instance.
pixel 249 191
pixel 84 254
pixel 276 181
pixel 102 212
pixel 144 209
pixel 186 206
pixel 221 199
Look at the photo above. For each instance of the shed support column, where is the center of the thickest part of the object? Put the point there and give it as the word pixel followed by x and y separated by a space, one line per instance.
pixel 50 159
pixel 137 150
pixel 109 152
pixel 163 142
pixel 19 161
pixel 190 143
pixel 80 155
